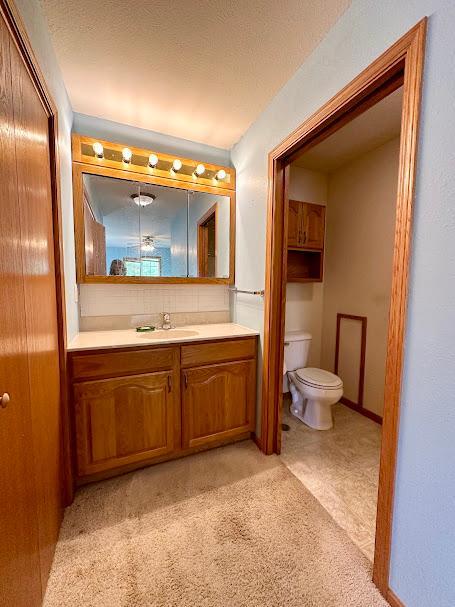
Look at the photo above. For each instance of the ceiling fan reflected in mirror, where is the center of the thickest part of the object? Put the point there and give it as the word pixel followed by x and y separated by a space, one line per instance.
pixel 143 200
pixel 148 243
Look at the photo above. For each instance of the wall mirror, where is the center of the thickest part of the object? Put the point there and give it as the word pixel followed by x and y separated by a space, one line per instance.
pixel 133 228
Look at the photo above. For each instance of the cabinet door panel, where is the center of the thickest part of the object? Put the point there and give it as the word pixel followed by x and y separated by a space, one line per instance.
pixel 218 402
pixel 294 223
pixel 314 224
pixel 124 420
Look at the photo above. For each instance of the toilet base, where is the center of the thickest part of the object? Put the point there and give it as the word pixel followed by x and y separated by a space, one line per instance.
pixel 314 413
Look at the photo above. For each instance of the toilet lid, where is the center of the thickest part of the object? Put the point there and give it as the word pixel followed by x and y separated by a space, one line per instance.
pixel 319 377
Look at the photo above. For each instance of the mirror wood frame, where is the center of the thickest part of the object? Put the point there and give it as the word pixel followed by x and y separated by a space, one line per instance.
pixel 79 169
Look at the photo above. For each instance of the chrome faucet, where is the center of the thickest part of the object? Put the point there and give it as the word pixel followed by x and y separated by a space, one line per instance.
pixel 166 324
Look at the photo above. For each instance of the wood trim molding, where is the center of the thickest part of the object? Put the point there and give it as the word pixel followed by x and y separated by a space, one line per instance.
pixel 16 26
pixel 401 63
pixel 365 412
pixel 257 440
pixel 202 239
pixel 356 406
pixel 363 347
pixel 393 600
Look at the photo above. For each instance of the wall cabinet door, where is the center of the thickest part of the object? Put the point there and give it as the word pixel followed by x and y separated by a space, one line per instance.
pixel 295 223
pixel 218 402
pixel 306 225
pixel 126 420
pixel 314 225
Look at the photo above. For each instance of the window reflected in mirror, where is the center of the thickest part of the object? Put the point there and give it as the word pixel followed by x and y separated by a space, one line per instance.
pixel 143 230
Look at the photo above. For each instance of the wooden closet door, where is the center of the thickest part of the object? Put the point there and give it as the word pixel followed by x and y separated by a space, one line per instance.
pixel 20 583
pixel 37 245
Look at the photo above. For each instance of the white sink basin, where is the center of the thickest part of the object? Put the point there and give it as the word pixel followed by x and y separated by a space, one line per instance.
pixel 168 334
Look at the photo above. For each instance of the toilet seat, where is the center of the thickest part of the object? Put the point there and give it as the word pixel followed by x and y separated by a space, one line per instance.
pixel 318 378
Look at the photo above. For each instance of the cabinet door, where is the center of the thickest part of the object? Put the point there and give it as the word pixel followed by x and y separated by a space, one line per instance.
pixel 313 226
pixel 125 420
pixel 295 217
pixel 218 402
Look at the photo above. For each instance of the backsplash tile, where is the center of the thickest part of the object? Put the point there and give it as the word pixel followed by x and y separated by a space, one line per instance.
pixel 178 319
pixel 128 300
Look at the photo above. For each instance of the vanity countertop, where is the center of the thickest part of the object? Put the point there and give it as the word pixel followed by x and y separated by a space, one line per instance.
pixel 129 338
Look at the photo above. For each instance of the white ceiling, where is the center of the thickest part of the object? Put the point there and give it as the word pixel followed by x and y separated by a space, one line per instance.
pixel 373 128
pixel 201 70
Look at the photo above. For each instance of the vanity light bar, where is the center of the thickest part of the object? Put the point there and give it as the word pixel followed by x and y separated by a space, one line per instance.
pixel 154 162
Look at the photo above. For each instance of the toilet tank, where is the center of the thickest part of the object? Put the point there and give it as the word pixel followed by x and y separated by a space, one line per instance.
pixel 296 349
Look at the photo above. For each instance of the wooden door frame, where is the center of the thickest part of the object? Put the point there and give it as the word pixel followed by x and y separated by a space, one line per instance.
pixel 401 64
pixel 201 236
pixel 19 34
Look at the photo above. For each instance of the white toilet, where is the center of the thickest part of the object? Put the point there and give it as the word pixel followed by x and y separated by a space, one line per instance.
pixel 313 391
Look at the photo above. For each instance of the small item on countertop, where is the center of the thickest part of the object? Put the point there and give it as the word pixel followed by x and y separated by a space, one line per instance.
pixel 144 328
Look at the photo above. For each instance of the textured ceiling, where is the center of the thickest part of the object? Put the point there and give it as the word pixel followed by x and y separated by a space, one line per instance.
pixel 198 69
pixel 373 128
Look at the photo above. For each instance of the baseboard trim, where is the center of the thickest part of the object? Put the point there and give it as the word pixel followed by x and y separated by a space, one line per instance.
pixel 393 600
pixel 355 407
pixel 257 440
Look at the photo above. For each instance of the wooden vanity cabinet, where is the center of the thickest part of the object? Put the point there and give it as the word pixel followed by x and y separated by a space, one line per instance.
pixel 125 420
pixel 126 407
pixel 218 402
pixel 133 407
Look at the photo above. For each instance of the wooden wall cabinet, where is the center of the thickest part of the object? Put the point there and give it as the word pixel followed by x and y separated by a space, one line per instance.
pixel 133 407
pixel 306 229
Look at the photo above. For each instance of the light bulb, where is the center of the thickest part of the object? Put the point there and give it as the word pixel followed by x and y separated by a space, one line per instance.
pixel 153 160
pixel 221 174
pixel 176 165
pixel 199 170
pixel 127 154
pixel 98 149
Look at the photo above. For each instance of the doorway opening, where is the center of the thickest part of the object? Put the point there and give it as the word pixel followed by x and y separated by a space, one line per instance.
pixel 399 66
pixel 341 217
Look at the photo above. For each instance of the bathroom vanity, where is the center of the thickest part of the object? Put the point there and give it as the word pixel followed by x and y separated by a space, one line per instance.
pixel 142 398
pixel 146 218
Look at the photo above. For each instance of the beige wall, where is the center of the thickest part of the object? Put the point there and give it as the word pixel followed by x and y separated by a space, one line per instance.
pixel 358 260
pixel 304 301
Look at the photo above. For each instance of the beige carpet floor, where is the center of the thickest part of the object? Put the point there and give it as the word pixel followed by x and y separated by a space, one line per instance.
pixel 229 527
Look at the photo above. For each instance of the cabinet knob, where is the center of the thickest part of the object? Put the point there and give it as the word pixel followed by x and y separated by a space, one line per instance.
pixel 4 400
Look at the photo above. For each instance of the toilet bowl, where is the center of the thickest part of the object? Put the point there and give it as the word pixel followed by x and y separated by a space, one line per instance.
pixel 313 390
